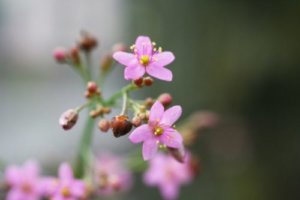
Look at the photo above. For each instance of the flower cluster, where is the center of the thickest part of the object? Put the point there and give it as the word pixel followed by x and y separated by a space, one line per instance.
pixel 152 120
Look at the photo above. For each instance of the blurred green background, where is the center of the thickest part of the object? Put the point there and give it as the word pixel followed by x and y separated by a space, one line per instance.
pixel 239 59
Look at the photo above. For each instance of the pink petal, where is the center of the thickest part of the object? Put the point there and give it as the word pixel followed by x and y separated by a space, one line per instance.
pixel 124 58
pixel 143 45
pixel 15 194
pixel 163 59
pixel 156 113
pixel 159 72
pixel 149 149
pixel 140 134
pixel 12 175
pixel 78 188
pixel 171 138
pixel 171 115
pixel 169 191
pixel 134 72
pixel 65 172
pixel 32 169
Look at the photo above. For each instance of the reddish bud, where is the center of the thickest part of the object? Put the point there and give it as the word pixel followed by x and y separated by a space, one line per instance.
pixel 195 166
pixel 68 119
pixel 138 82
pixel 165 99
pixel 87 41
pixel 149 102
pixel 148 81
pixel 120 125
pixel 104 125
pixel 74 55
pixel 178 154
pixel 92 87
pixel 60 55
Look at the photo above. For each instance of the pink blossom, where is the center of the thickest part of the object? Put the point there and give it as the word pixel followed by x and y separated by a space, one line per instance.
pixel 145 59
pixel 23 182
pixel 66 187
pixel 111 176
pixel 158 131
pixel 168 174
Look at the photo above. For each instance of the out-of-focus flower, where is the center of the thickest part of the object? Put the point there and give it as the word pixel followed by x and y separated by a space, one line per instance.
pixel 111 176
pixel 66 187
pixel 168 175
pixel 158 131
pixel 68 119
pixel 23 182
pixel 145 59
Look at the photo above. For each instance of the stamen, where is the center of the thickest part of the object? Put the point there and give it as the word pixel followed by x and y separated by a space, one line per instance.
pixel 144 60
pixel 158 131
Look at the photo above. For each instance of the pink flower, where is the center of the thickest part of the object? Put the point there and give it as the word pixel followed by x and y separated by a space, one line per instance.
pixel 158 131
pixel 145 58
pixel 23 182
pixel 168 174
pixel 66 187
pixel 111 176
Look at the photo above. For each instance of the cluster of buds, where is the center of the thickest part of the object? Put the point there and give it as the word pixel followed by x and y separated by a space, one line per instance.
pixel 92 90
pixel 144 81
pixel 87 42
pixel 67 56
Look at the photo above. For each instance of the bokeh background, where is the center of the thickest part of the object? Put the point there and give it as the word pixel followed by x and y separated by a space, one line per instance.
pixel 239 59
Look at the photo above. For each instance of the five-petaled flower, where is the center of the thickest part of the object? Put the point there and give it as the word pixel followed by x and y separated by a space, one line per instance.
pixel 66 187
pixel 23 182
pixel 168 174
pixel 158 131
pixel 145 58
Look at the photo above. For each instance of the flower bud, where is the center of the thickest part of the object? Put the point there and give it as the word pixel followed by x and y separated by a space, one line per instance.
pixel 119 47
pixel 106 62
pixel 195 166
pixel 120 125
pixel 138 82
pixel 87 42
pixel 106 110
pixel 92 87
pixel 60 55
pixel 68 119
pixel 149 102
pixel 136 121
pixel 165 99
pixel 104 125
pixel 148 81
pixel 74 55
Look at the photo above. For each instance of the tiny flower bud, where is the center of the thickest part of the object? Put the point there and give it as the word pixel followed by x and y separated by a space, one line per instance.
pixel 165 99
pixel 106 110
pixel 106 62
pixel 96 113
pixel 92 87
pixel 87 41
pixel 148 81
pixel 138 82
pixel 74 55
pixel 120 125
pixel 60 55
pixel 104 125
pixel 136 121
pixel 68 119
pixel 149 102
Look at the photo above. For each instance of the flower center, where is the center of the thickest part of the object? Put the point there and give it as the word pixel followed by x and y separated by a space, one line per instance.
pixel 65 192
pixel 144 60
pixel 158 131
pixel 26 188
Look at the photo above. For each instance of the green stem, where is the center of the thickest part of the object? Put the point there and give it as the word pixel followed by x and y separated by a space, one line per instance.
pixel 83 159
pixel 112 100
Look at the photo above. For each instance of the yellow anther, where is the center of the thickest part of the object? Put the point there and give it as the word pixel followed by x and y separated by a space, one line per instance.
pixel 65 192
pixel 144 60
pixel 159 49
pixel 158 131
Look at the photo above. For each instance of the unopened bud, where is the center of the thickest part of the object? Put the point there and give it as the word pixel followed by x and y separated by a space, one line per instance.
pixel 68 119
pixel 87 41
pixel 136 121
pixel 195 166
pixel 148 81
pixel 120 125
pixel 138 82
pixel 106 62
pixel 104 125
pixel 92 87
pixel 106 110
pixel 60 55
pixel 165 99
pixel 149 102
pixel 74 55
